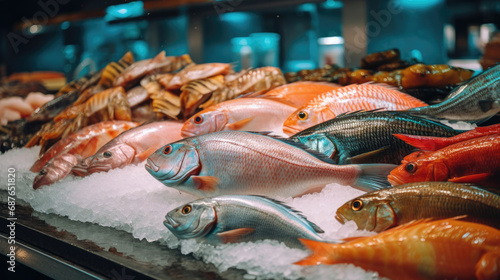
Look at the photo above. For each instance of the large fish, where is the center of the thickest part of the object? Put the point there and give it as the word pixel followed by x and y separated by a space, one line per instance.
pixel 67 152
pixel 382 209
pixel 350 98
pixel 240 218
pixel 475 101
pixel 443 249
pixel 237 162
pixel 473 161
pixel 250 114
pixel 367 137
pixel 130 147
pixel 299 93
pixel 195 72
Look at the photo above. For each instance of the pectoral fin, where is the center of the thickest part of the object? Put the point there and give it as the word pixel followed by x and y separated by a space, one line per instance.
pixel 144 155
pixel 367 157
pixel 487 105
pixel 239 124
pixel 235 235
pixel 476 178
pixel 205 183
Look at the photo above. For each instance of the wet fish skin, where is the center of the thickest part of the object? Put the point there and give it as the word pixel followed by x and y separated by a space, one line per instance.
pixel 348 136
pixel 475 101
pixel 237 162
pixel 240 218
pixel 383 209
pixel 442 249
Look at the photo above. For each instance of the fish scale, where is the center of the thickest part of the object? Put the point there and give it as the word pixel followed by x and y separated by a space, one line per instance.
pixel 359 133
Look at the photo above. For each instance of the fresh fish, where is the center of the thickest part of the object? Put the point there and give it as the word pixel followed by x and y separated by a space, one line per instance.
pixel 114 69
pixel 158 64
pixel 196 72
pixel 131 147
pixel 137 95
pixel 164 101
pixel 63 156
pixel 383 209
pixel 240 218
pixel 443 249
pixel 475 101
pixel 429 143
pixel 473 161
pixel 237 162
pixel 348 99
pixel 367 137
pixel 298 93
pixel 250 114
pixel 197 92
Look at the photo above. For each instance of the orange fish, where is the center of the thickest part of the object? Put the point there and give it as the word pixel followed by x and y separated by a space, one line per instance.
pixel 298 93
pixel 473 161
pixel 443 249
pixel 350 98
pixel 431 143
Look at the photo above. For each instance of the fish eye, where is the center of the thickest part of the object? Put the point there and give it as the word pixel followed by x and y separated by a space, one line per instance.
pixel 357 205
pixel 302 115
pixel 198 119
pixel 167 149
pixel 411 167
pixel 107 154
pixel 186 209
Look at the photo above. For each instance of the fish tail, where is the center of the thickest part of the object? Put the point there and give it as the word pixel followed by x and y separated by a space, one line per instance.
pixel 373 176
pixel 321 253
pixel 426 143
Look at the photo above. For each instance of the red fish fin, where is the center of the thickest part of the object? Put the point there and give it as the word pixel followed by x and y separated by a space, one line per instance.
pixel 205 183
pixel 476 178
pixel 488 267
pixel 321 253
pixel 426 143
pixel 235 235
pixel 144 155
pixel 239 124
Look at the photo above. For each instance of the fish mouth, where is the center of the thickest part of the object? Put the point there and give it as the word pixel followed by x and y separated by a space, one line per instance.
pixel 394 181
pixel 290 131
pixel 169 222
pixel 152 166
pixel 339 217
pixel 187 133
pixel 80 171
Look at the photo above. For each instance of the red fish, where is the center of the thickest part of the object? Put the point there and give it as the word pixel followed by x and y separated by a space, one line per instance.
pixel 443 249
pixel 298 93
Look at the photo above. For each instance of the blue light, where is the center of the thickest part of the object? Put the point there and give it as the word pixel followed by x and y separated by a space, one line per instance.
pixel 332 4
pixel 418 4
pixel 235 17
pixel 132 9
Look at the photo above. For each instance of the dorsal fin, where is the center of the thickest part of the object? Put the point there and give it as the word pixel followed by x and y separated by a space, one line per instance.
pixel 289 208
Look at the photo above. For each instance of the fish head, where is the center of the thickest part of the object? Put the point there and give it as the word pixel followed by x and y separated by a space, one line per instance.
pixel 107 158
pixel 193 220
pixel 55 170
pixel 372 212
pixel 204 122
pixel 319 142
pixel 419 167
pixel 174 163
pixel 306 117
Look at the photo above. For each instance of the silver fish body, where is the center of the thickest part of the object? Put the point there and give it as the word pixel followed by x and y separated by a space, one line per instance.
pixel 475 101
pixel 240 218
pixel 237 162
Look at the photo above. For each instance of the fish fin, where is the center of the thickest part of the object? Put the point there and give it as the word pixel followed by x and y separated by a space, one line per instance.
pixel 373 176
pixel 239 124
pixel 320 253
pixel 365 157
pixel 144 155
pixel 159 57
pixel 475 178
pixel 488 266
pixel 235 235
pixel 352 238
pixel 205 183
pixel 426 143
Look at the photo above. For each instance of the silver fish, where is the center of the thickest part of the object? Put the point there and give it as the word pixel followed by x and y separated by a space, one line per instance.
pixel 237 162
pixel 240 218
pixel 475 101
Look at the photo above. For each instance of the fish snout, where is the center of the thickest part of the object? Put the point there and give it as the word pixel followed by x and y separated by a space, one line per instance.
pixel 169 222
pixel 152 166
pixel 339 217
pixel 290 131
pixel 394 180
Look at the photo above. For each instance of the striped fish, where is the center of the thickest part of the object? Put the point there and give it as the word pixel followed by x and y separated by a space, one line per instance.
pixel 196 92
pixel 114 69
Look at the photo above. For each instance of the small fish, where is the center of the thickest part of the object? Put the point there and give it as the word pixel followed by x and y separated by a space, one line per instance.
pixel 477 100
pixel 473 161
pixel 66 153
pixel 443 249
pixel 240 218
pixel 429 143
pixel 348 99
pixel 196 72
pixel 383 209
pixel 197 92
pixel 137 95
pixel 131 147
pixel 114 69
pixel 237 162
pixel 299 93
pixel 250 114
pixel 367 137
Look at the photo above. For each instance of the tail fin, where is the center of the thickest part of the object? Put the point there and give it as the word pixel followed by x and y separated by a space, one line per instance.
pixel 374 176
pixel 426 143
pixel 321 252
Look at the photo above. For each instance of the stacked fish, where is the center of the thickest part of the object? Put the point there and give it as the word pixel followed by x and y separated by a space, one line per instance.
pixel 354 135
